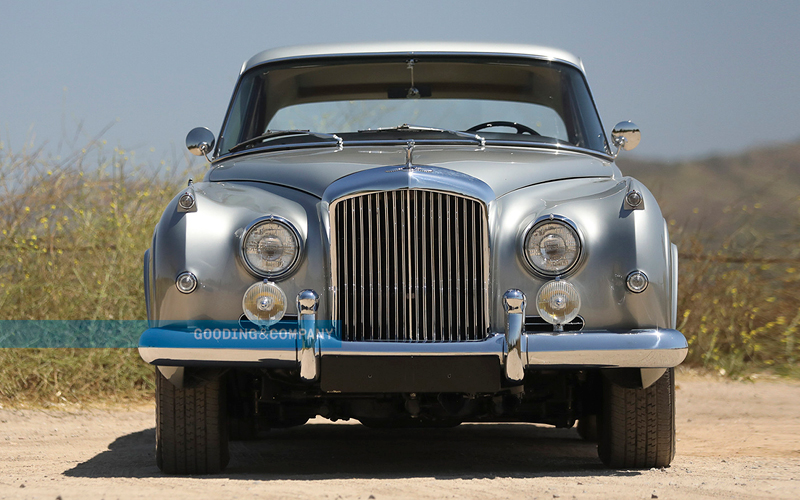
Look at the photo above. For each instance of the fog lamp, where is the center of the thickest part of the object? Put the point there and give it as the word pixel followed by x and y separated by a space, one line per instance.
pixel 264 303
pixel 558 302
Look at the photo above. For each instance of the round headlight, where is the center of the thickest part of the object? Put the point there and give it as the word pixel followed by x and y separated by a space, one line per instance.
pixel 270 247
pixel 552 247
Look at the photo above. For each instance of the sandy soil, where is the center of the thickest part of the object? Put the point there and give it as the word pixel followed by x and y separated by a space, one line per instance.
pixel 736 440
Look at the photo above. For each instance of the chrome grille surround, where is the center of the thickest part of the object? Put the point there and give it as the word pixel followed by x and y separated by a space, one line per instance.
pixel 389 249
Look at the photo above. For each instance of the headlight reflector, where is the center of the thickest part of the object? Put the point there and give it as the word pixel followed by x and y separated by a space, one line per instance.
pixel 558 302
pixel 264 303
pixel 270 247
pixel 552 247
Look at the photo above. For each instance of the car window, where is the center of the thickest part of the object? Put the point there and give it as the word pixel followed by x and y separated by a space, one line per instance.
pixel 453 114
pixel 454 93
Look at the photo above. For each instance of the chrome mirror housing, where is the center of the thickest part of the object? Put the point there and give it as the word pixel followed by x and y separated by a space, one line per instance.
pixel 626 136
pixel 200 141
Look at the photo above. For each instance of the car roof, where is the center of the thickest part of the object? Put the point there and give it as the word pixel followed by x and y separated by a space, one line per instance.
pixel 411 48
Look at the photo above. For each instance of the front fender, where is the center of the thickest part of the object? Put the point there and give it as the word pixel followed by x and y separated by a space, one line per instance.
pixel 616 242
pixel 206 242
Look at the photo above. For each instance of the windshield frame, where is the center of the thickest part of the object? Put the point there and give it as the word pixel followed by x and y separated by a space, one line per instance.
pixel 476 58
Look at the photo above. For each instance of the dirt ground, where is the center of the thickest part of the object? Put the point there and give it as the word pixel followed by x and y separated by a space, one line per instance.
pixel 736 440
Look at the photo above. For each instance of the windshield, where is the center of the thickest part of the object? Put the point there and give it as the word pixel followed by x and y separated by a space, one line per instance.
pixel 525 100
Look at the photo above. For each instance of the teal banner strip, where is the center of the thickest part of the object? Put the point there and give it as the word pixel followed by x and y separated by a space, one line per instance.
pixel 134 333
pixel 63 333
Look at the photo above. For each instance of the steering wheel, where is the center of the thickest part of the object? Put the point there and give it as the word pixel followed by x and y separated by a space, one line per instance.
pixel 520 128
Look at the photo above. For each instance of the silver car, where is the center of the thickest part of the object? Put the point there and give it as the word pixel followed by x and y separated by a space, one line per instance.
pixel 412 235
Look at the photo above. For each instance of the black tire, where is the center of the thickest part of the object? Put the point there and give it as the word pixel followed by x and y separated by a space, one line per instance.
pixel 637 426
pixel 587 428
pixel 191 427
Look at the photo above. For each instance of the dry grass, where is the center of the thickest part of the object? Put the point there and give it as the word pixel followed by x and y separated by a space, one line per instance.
pixel 740 315
pixel 736 221
pixel 73 234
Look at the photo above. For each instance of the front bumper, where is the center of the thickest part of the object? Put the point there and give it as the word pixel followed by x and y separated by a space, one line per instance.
pixel 653 348
pixel 306 347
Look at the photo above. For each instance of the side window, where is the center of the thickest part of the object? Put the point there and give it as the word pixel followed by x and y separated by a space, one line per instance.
pixel 232 133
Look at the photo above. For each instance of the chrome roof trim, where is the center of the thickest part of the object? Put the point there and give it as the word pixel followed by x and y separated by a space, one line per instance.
pixel 412 48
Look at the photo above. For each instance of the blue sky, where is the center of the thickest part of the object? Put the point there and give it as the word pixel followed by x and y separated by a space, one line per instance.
pixel 699 78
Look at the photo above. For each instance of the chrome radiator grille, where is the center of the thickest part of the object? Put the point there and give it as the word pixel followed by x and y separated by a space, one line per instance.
pixel 410 266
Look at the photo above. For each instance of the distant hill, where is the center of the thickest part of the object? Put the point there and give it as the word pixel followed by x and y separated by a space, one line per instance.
pixel 753 196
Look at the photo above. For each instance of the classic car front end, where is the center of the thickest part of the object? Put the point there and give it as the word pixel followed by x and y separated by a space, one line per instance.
pixel 338 262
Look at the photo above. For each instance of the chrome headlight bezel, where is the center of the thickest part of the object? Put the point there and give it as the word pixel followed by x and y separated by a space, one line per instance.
pixel 292 230
pixel 572 229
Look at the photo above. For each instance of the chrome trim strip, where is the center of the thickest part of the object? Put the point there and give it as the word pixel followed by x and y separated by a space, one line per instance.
pixel 273 147
pixel 674 283
pixel 361 277
pixel 485 285
pixel 556 148
pixel 550 147
pixel 189 354
pixel 493 346
pixel 440 265
pixel 425 259
pixel 404 237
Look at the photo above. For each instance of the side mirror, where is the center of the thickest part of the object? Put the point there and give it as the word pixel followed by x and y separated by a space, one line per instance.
pixel 626 136
pixel 200 141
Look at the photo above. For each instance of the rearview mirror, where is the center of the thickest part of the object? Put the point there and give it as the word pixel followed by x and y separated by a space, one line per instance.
pixel 200 141
pixel 626 136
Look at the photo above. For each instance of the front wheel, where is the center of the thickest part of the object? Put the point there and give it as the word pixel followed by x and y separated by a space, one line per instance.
pixel 191 427
pixel 636 427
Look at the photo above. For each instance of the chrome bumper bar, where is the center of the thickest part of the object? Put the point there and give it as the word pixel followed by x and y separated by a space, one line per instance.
pixel 517 351
pixel 636 349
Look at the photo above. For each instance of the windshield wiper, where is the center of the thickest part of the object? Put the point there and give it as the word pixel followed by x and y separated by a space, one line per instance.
pixel 269 134
pixel 417 128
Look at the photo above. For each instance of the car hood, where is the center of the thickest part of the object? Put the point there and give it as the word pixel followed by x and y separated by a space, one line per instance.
pixel 503 169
